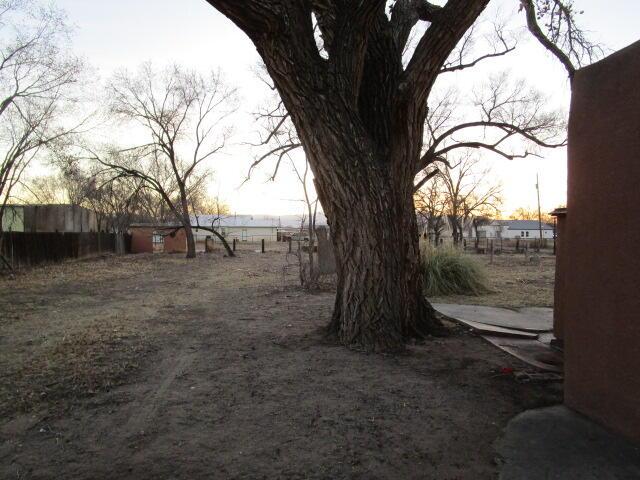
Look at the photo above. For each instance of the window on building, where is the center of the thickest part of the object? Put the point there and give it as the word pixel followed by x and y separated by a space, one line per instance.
pixel 158 242
pixel 527 234
pixel 522 234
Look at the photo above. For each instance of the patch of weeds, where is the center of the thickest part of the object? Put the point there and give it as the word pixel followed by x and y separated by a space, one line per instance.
pixel 447 271
pixel 79 365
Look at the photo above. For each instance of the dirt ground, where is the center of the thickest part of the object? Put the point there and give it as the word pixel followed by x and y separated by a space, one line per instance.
pixel 154 366
pixel 514 280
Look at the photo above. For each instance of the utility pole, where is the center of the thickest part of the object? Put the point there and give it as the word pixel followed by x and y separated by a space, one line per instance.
pixel 539 212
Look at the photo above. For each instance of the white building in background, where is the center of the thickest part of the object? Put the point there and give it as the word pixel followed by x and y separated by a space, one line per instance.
pixel 250 228
pixel 445 235
pixel 515 229
pixel 243 228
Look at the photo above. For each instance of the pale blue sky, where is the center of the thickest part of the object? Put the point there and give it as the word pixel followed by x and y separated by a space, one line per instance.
pixel 124 33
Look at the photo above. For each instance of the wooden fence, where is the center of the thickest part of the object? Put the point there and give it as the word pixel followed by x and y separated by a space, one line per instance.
pixel 29 249
pixel 509 245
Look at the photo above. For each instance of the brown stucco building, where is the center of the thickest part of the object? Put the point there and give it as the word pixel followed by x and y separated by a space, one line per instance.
pixel 597 309
pixel 148 238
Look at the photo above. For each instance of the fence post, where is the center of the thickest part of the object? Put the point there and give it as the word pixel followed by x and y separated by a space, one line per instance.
pixel 289 244
pixel 491 258
pixel 234 244
pixel 263 245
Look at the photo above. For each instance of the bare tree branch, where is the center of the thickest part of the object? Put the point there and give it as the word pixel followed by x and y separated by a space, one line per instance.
pixel 563 38
pixel 504 111
pixel 37 76
pixel 183 114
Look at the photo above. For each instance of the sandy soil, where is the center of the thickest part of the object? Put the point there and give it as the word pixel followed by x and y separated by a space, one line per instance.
pixel 159 367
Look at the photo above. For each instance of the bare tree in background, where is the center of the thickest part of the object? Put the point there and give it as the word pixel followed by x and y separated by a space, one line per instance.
pixel 309 273
pixel 116 202
pixel 481 219
pixel 37 75
pixel 431 207
pixel 469 192
pixel 42 189
pixel 52 188
pixel 153 205
pixel 359 105
pixel 214 211
pixel 523 213
pixel 504 117
pixel 182 114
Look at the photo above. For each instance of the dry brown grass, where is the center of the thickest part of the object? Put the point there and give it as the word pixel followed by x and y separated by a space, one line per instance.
pixel 79 364
pixel 83 270
pixel 79 328
pixel 54 351
pixel 514 281
pixel 240 380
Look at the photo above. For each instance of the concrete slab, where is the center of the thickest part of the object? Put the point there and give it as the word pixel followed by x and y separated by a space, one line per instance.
pixel 557 443
pixel 530 319
pixel 541 314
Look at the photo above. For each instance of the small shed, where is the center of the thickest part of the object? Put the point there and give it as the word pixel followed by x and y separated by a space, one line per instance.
pixel 155 238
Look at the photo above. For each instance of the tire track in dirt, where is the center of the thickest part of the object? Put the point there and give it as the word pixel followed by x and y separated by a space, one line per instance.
pixel 146 408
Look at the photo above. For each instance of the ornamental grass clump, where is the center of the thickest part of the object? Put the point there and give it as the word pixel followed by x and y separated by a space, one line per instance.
pixel 447 271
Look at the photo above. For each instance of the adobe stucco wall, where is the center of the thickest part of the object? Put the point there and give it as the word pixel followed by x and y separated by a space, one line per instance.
pixel 176 242
pixel 141 240
pixel 562 267
pixel 601 291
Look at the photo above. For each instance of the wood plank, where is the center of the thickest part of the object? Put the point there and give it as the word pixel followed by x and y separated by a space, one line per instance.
pixel 483 328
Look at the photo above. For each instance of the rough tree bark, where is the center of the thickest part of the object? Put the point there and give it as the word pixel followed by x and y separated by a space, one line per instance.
pixel 186 221
pixel 360 117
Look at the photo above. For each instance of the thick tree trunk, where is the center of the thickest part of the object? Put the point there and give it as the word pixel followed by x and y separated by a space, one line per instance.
pixel 365 184
pixel 456 234
pixel 360 117
pixel 380 302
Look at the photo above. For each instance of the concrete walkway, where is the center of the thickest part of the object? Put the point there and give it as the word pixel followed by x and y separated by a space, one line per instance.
pixel 525 333
pixel 533 319
pixel 557 443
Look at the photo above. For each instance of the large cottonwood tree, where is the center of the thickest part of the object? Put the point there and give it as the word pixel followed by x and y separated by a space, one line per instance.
pixel 360 113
